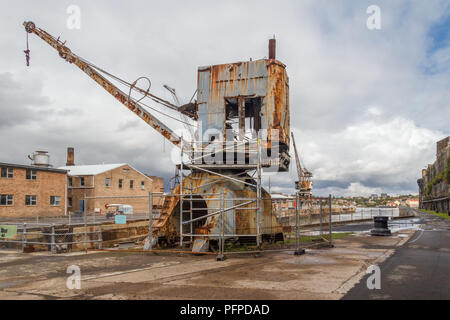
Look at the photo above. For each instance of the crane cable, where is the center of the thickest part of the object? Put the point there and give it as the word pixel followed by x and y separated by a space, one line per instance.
pixel 27 53
pixel 132 87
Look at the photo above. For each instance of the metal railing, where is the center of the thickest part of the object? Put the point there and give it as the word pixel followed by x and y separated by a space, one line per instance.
pixel 52 237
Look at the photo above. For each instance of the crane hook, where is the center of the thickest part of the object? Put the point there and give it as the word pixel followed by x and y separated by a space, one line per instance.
pixel 27 53
pixel 29 27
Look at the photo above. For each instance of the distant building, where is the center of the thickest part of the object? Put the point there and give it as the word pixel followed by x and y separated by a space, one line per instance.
pixel 434 190
pixel 283 204
pixel 32 191
pixel 384 196
pixel 373 196
pixel 412 203
pixel 157 187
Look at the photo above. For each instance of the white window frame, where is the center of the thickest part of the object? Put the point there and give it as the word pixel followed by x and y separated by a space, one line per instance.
pixel 56 201
pixel 33 200
pixel 9 198
pixel 107 182
pixel 33 174
pixel 142 185
pixel 9 173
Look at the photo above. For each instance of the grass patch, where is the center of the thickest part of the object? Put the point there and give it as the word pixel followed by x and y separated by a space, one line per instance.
pixel 438 214
pixel 304 239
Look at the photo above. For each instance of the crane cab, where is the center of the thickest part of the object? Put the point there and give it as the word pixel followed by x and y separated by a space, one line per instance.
pixel 244 100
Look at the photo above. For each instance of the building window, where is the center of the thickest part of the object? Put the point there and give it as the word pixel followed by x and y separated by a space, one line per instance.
pixel 55 201
pixel 7 172
pixel 30 200
pixel 143 185
pixel 120 183
pixel 131 184
pixel 69 201
pixel 70 181
pixel 82 181
pixel 6 199
pixel 31 174
pixel 107 182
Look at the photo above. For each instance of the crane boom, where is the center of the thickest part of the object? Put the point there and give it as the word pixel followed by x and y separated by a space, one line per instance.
pixel 304 184
pixel 297 159
pixel 122 97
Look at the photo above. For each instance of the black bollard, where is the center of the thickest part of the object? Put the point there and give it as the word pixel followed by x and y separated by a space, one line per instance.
pixel 380 226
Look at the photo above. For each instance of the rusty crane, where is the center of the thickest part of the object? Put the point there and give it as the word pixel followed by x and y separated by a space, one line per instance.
pixel 242 107
pixel 304 183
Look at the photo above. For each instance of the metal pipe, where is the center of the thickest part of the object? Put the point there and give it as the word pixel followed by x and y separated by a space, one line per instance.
pixel 330 225
pixel 258 197
pixel 181 193
pixel 85 223
pixel 150 217
pixel 272 48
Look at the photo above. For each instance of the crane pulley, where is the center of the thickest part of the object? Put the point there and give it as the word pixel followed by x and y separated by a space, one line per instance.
pixel 94 72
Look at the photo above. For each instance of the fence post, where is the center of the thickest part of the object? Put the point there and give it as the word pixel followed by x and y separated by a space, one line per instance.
pixel 100 236
pixel 310 214
pixel 53 243
pixel 24 236
pixel 150 218
pixel 298 208
pixel 85 224
pixel 320 213
pixel 221 239
pixel 181 192
pixel 330 239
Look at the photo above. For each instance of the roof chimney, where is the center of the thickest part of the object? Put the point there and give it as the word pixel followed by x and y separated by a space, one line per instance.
pixel 272 47
pixel 70 157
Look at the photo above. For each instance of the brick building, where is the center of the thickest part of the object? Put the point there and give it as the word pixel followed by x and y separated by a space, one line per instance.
pixel 157 186
pixel 283 205
pixel 32 191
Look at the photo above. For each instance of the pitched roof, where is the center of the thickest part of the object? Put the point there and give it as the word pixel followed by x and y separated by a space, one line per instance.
pixel 90 170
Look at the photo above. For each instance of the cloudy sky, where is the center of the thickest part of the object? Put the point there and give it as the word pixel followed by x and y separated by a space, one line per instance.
pixel 367 106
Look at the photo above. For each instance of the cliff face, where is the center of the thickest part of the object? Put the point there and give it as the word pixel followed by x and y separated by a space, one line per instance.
pixel 434 191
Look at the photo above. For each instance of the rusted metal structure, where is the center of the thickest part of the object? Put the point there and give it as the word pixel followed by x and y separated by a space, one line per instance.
pixel 242 112
pixel 245 98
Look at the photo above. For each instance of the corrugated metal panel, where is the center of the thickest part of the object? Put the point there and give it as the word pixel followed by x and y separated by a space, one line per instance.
pixel 260 78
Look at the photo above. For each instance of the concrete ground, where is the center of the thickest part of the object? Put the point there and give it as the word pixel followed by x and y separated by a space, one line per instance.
pixel 417 270
pixel 319 274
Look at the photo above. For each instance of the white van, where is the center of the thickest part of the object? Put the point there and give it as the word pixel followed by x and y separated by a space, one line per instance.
pixel 119 209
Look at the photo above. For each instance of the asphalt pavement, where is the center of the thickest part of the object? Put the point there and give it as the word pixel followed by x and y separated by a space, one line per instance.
pixel 420 269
